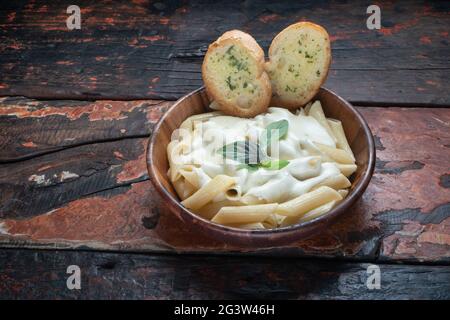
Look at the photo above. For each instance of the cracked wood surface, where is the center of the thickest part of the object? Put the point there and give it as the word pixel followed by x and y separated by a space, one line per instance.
pixel 134 276
pixel 35 127
pixel 153 50
pixel 96 195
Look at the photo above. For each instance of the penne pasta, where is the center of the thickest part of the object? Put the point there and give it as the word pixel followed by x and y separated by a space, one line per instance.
pixel 338 155
pixel 179 188
pixel 343 193
pixel 289 221
pixel 313 150
pixel 183 188
pixel 304 179
pixel 233 193
pixel 336 182
pixel 249 199
pixel 187 171
pixel 307 108
pixel 244 214
pixel 256 225
pixel 347 169
pixel 308 201
pixel 338 131
pixel 209 210
pixel 174 151
pixel 314 213
pixel 317 212
pixel 316 112
pixel 274 220
pixel 205 194
pixel 300 111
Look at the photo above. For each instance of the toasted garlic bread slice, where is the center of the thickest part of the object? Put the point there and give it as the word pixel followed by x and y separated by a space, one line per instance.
pixel 299 58
pixel 234 75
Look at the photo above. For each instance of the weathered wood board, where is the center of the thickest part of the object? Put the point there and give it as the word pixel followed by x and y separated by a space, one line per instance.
pixel 154 50
pixel 96 195
pixel 134 276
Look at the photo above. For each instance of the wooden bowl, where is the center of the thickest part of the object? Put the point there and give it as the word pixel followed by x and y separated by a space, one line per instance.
pixel 358 134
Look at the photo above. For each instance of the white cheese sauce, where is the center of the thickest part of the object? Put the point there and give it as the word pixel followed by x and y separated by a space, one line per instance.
pixel 304 171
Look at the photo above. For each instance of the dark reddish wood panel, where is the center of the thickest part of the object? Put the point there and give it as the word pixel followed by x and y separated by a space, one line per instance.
pixel 50 181
pixel 133 276
pixel 32 127
pixel 107 202
pixel 143 49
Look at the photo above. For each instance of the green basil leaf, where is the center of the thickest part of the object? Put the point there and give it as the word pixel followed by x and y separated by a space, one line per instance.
pixel 247 152
pixel 274 164
pixel 280 127
pixel 250 167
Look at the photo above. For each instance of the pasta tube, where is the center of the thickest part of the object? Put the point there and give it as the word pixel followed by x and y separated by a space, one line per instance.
pixel 308 201
pixel 338 155
pixel 256 225
pixel 343 193
pixel 338 131
pixel 210 210
pixel 316 112
pixel 244 214
pixel 314 213
pixel 317 212
pixel 347 169
pixel 205 194
pixel 336 182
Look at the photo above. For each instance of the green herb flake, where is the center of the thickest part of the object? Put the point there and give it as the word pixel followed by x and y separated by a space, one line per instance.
pixel 230 49
pixel 274 164
pixel 289 89
pixel 230 85
pixel 249 167
pixel 239 65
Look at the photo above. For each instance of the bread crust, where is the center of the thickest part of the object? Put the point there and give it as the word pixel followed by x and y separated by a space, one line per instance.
pixel 215 92
pixel 278 99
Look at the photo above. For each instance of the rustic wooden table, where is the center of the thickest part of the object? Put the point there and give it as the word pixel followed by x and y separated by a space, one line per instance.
pixel 78 106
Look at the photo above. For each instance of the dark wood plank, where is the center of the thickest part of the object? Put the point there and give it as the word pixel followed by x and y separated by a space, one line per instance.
pixel 107 202
pixel 132 276
pixel 36 186
pixel 33 127
pixel 143 49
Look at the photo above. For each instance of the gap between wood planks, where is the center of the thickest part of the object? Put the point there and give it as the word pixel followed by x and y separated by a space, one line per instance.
pixel 355 103
pixel 196 277
pixel 234 255
pixel 136 136
pixel 43 153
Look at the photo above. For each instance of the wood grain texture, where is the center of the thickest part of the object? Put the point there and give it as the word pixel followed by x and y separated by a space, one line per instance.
pixel 404 215
pixel 52 180
pixel 133 276
pixel 31 127
pixel 143 49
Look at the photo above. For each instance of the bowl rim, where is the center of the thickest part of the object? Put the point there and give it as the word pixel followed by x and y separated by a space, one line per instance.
pixel 344 205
